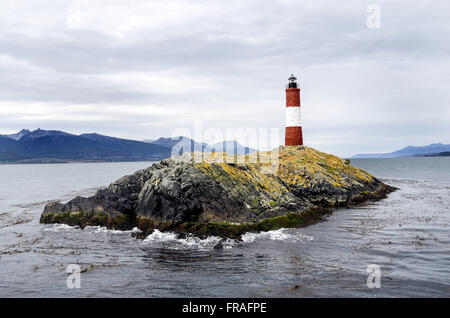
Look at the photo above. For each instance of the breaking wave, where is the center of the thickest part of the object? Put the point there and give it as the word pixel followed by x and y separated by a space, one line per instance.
pixel 277 235
pixel 175 241
pixel 103 229
pixel 92 229
pixel 60 228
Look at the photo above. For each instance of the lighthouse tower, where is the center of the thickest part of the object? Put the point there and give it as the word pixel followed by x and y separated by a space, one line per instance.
pixel 294 136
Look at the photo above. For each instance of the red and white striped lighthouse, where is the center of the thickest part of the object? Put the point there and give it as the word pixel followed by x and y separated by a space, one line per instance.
pixel 294 136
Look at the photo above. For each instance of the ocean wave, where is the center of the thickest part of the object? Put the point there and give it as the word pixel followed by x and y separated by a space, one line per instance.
pixel 417 181
pixel 175 241
pixel 172 240
pixel 277 235
pixel 60 228
pixel 91 229
pixel 104 229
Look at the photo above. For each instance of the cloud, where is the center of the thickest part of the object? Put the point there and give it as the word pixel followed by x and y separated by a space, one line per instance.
pixel 141 69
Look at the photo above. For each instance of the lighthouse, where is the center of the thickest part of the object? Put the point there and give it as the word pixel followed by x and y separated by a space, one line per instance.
pixel 294 136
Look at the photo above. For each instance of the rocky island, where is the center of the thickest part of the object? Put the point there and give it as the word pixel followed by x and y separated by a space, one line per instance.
pixel 224 195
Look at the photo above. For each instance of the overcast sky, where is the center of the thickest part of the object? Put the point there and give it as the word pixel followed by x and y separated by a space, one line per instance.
pixel 142 69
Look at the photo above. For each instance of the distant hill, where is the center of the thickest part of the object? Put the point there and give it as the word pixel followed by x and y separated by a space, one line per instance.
pixel 58 146
pixel 441 154
pixel 45 145
pixel 19 135
pixel 410 151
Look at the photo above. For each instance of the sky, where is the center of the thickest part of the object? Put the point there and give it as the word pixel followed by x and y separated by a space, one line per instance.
pixel 145 69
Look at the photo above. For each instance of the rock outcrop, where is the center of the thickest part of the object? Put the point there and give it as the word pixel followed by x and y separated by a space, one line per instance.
pixel 224 195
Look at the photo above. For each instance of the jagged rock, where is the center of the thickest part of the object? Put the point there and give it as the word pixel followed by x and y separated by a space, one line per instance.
pixel 224 195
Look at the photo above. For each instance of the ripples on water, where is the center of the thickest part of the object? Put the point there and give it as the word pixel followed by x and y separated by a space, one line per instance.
pixel 407 235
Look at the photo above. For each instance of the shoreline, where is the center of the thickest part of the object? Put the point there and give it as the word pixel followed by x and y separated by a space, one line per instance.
pixel 231 230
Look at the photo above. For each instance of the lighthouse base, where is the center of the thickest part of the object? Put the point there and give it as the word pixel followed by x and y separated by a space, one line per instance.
pixel 294 136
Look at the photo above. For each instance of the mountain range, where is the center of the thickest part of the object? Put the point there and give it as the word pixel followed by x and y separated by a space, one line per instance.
pixel 437 149
pixel 58 146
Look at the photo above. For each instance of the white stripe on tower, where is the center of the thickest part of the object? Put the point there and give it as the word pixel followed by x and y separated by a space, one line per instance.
pixel 293 116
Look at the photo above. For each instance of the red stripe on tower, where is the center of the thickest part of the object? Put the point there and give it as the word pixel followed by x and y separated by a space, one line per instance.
pixel 294 135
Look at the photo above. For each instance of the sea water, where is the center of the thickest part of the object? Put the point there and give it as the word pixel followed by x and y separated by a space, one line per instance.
pixel 406 235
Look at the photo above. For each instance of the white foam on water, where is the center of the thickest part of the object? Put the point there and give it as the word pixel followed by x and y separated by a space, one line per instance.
pixel 103 229
pixel 170 240
pixel 277 235
pixel 158 236
pixel 60 228
pixel 92 229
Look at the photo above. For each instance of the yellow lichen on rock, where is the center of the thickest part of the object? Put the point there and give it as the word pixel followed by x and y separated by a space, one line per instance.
pixel 249 183
pixel 295 167
pixel 299 165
